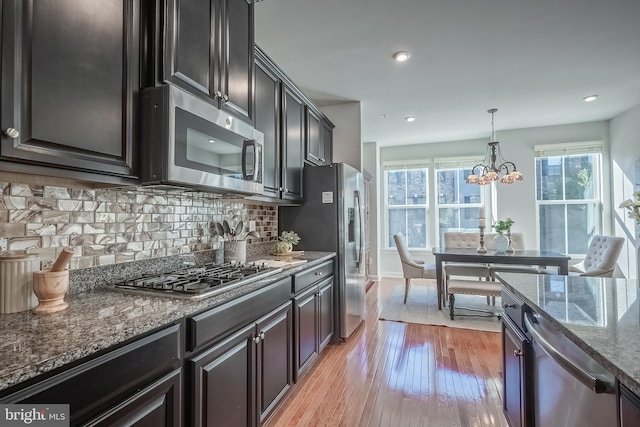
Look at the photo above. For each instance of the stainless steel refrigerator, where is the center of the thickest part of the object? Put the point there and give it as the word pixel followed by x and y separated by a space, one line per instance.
pixel 332 219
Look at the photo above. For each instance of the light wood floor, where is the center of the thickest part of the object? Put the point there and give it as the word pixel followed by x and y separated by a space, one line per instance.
pixel 401 374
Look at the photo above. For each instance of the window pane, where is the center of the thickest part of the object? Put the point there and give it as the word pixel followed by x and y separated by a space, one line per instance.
pixel 580 227
pixel 416 228
pixel 396 187
pixel 469 193
pixel 552 228
pixel 578 171
pixel 469 217
pixel 549 178
pixel 417 187
pixel 447 187
pixel 397 224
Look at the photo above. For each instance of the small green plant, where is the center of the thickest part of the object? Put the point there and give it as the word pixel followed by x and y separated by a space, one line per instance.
pixel 286 242
pixel 503 225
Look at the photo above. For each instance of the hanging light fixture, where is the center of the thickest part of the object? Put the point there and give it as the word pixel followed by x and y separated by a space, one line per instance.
pixel 494 166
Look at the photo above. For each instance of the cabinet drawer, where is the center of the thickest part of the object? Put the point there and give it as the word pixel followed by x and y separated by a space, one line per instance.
pixel 213 324
pixel 95 385
pixel 312 275
pixel 513 308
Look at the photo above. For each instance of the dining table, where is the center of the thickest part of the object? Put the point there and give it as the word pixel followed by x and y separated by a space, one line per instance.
pixel 491 256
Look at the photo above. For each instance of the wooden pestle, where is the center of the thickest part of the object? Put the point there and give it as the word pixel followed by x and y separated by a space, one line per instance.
pixel 63 259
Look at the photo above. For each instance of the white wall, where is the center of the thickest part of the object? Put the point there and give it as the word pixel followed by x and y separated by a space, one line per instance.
pixel 516 201
pixel 347 135
pixel 624 135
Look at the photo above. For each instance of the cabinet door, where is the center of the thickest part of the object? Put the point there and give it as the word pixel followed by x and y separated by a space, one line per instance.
pixel 267 120
pixel 189 45
pixel 314 143
pixel 325 313
pixel 223 382
pixel 70 79
pixel 326 149
pixel 236 83
pixel 306 329
pixel 275 354
pixel 155 406
pixel 514 374
pixel 629 408
pixel 292 144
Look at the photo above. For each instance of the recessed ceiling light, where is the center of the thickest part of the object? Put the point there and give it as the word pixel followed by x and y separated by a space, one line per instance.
pixel 212 141
pixel 590 98
pixel 401 56
pixel 410 119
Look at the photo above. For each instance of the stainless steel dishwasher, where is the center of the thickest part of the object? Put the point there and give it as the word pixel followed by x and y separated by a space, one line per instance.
pixel 570 388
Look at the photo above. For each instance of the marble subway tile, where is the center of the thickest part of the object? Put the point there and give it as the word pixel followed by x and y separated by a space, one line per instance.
pixel 41 229
pixel 69 205
pixel 12 229
pixel 82 217
pixel 24 243
pixel 56 192
pixel 105 217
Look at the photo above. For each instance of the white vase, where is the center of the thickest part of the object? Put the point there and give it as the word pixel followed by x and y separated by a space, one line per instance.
pixel 500 242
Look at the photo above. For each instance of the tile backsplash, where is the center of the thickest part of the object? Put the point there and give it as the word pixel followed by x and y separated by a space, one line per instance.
pixel 111 226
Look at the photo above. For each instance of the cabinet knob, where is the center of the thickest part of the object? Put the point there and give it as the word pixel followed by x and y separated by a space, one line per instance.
pixel 225 97
pixel 218 94
pixel 517 353
pixel 261 335
pixel 256 339
pixel 279 188
pixel 12 133
pixel 505 305
pixel 318 273
pixel 286 190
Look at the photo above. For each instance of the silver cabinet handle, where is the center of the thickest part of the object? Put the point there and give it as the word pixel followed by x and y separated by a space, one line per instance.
pixel 279 188
pixel 505 305
pixel 11 133
pixel 286 190
pixel 225 97
pixel 318 273
pixel 218 94
pixel 517 353
pixel 597 385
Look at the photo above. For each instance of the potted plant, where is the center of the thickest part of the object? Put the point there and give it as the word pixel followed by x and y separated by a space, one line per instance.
pixel 501 242
pixel 286 241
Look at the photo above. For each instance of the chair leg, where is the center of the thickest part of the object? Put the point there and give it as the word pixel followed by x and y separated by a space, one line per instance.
pixel 452 300
pixel 488 300
pixel 493 300
pixel 406 288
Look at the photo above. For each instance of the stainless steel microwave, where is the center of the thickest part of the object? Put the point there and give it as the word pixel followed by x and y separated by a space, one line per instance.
pixel 188 142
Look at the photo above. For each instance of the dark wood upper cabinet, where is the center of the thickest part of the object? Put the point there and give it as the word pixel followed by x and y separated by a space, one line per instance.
pixel 267 121
pixel 319 139
pixel 293 134
pixel 70 81
pixel 208 50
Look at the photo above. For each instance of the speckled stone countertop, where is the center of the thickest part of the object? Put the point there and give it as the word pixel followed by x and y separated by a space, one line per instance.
pixel 601 316
pixel 98 319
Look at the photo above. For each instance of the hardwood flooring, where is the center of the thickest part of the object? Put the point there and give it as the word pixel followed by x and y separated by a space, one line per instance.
pixel 400 374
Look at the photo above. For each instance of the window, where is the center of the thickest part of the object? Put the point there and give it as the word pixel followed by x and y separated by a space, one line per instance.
pixel 457 202
pixel 406 204
pixel 568 200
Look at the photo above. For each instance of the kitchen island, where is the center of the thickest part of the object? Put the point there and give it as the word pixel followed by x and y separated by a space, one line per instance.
pixel 600 316
pixel 96 320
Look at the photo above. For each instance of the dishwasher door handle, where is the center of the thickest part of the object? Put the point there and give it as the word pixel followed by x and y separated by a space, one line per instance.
pixel 596 384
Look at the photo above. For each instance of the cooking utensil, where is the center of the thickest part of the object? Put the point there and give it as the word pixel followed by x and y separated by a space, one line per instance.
pixel 63 259
pixel 239 228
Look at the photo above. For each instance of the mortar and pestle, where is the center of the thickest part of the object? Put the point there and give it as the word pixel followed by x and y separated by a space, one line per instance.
pixel 51 284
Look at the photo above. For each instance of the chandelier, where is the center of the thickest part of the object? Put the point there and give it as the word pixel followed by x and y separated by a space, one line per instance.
pixel 494 167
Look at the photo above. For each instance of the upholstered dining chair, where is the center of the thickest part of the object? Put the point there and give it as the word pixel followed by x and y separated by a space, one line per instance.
pixel 412 268
pixel 601 259
pixel 453 239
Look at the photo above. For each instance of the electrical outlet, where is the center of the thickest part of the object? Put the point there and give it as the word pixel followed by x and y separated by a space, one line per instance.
pixel 252 226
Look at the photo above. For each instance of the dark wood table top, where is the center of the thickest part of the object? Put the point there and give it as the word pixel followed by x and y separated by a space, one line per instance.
pixel 518 257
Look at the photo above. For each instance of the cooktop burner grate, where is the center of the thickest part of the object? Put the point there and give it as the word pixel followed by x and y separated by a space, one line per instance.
pixel 197 282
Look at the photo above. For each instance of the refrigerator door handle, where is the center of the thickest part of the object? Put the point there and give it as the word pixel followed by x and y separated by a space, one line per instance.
pixel 358 227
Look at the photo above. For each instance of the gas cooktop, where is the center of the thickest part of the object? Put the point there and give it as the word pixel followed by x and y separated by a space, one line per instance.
pixel 197 282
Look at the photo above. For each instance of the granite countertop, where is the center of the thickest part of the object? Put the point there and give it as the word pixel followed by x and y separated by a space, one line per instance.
pixel 98 319
pixel 601 316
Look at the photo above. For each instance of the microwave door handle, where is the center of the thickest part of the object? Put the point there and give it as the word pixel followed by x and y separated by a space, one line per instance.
pixel 247 144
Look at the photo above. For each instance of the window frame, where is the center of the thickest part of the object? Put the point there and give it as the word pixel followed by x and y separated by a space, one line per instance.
pixel 386 207
pixel 596 201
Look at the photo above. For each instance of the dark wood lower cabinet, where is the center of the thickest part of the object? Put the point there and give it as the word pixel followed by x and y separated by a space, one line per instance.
pixel 155 406
pixel 314 323
pixel 515 364
pixel 238 381
pixel 629 408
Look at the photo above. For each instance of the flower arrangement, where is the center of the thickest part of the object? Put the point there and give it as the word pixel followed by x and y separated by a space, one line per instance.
pixel 286 242
pixel 633 205
pixel 503 225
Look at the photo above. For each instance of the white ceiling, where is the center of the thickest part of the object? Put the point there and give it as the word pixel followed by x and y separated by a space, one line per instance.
pixel 534 60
